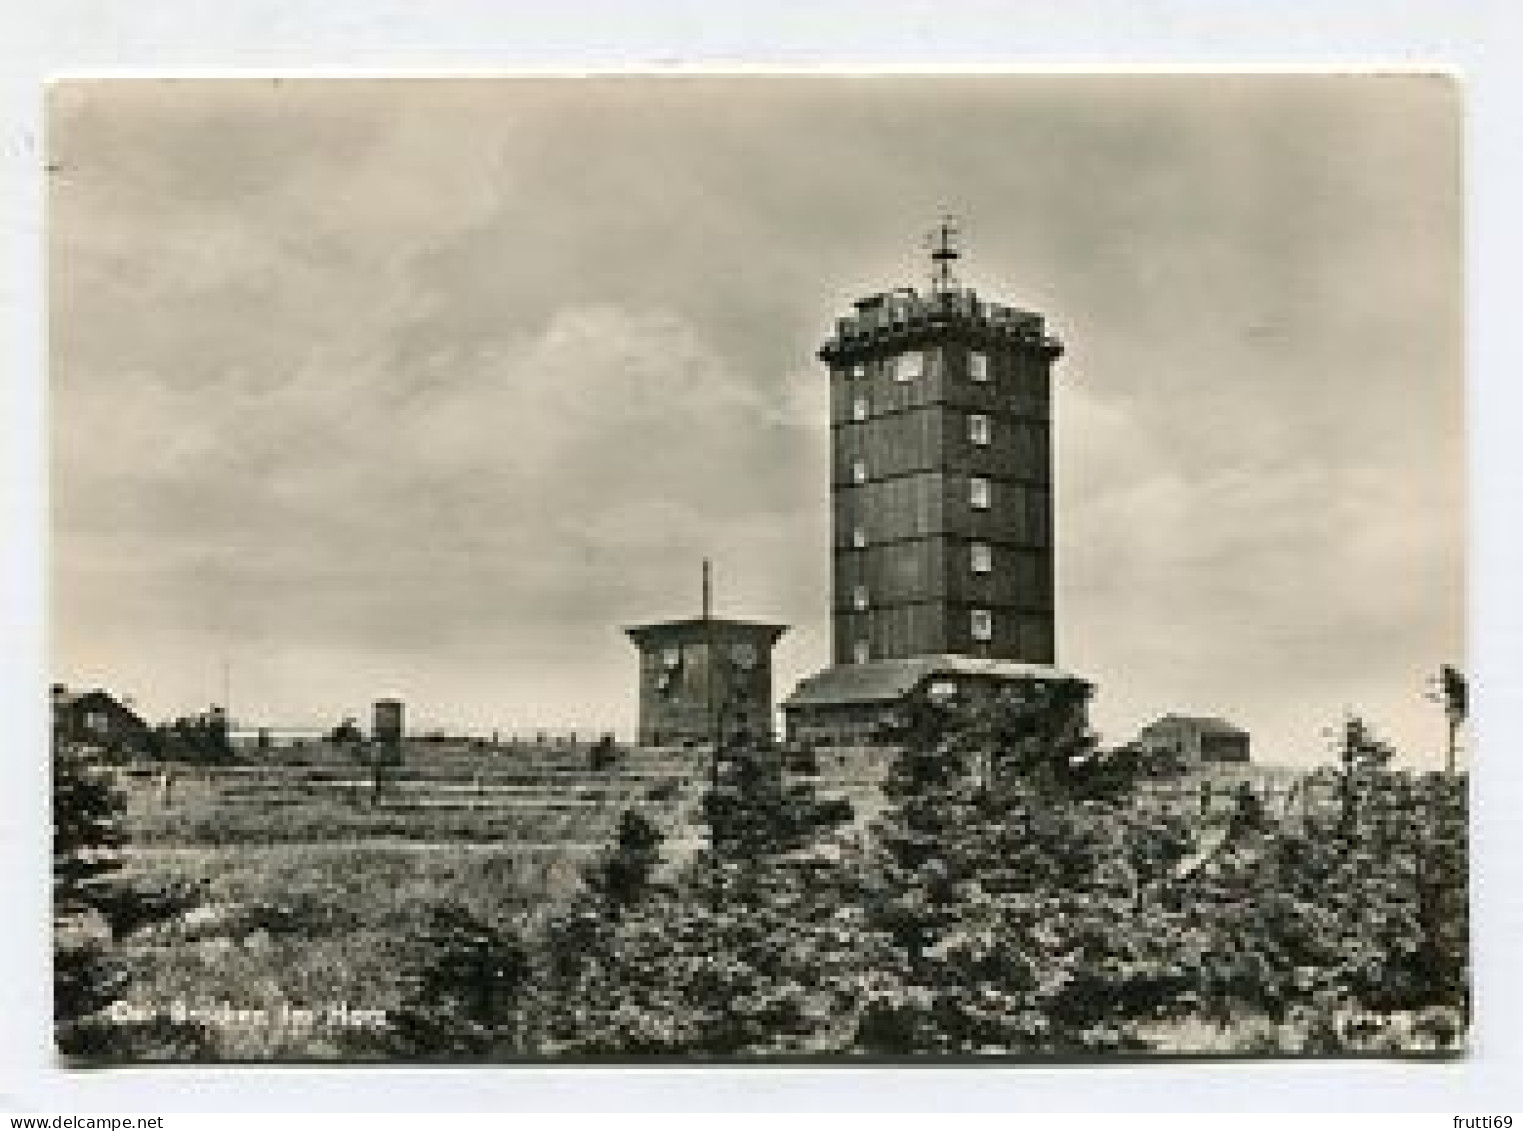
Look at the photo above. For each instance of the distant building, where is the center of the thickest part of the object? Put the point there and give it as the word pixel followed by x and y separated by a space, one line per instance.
pixel 387 722
pixel 97 718
pixel 705 676
pixel 275 738
pixel 1196 740
pixel 941 493
pixel 859 704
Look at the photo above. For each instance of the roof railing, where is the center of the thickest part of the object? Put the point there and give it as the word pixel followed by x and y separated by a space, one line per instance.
pixel 903 308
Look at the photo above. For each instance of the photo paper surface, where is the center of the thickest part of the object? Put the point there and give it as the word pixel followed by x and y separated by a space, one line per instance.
pixel 839 568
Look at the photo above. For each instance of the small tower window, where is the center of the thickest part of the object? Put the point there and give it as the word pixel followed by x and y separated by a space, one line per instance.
pixel 859 408
pixel 982 557
pixel 909 365
pixel 857 371
pixel 978 493
pixel 858 538
pixel 978 429
pixel 860 652
pixel 981 621
pixel 978 366
pixel 859 471
pixel 859 598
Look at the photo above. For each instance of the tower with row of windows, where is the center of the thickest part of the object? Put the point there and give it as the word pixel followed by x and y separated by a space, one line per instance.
pixel 941 478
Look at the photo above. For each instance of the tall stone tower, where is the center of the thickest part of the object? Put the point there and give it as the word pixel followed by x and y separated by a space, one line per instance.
pixel 941 476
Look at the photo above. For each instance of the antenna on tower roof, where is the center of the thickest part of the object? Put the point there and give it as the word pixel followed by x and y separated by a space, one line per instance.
pixel 945 247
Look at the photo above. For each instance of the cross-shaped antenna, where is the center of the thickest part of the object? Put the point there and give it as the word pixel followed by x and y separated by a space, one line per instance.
pixel 944 245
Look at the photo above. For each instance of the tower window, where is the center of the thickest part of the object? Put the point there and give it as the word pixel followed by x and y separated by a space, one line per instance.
pixel 978 366
pixel 982 557
pixel 978 493
pixel 858 370
pixel 858 538
pixel 859 598
pixel 859 471
pixel 860 652
pixel 978 429
pixel 981 621
pixel 859 408
pixel 909 365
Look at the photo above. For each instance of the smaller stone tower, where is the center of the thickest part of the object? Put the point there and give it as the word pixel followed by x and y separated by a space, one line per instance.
pixel 705 678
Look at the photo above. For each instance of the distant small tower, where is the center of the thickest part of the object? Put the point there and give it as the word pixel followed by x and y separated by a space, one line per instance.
pixel 386 725
pixel 705 678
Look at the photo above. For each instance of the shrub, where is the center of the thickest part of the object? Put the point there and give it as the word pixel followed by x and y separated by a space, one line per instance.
pixel 621 875
pixel 88 972
pixel 461 990
pixel 603 754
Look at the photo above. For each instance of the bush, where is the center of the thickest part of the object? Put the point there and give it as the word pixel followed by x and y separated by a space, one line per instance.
pixel 196 739
pixel 1019 897
pixel 622 874
pixel 461 990
pixel 755 811
pixel 89 894
pixel 603 755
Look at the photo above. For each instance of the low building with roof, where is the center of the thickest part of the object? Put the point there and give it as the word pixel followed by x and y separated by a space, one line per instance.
pixel 95 717
pixel 857 704
pixel 1196 740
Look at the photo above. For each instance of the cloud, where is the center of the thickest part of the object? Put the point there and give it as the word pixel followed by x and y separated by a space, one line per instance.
pixel 430 386
pixel 1325 587
pixel 540 496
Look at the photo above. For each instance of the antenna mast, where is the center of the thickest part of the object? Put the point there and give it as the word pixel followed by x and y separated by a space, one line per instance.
pixel 945 245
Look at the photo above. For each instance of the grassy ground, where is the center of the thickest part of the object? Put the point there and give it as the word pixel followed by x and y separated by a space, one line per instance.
pixel 439 794
pixel 310 892
pixel 324 928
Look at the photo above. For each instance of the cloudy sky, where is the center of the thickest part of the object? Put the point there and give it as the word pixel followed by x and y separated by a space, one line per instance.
pixel 426 387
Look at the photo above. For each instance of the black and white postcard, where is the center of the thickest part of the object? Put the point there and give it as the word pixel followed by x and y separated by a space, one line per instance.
pixel 703 568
